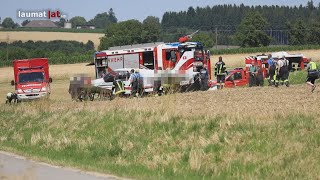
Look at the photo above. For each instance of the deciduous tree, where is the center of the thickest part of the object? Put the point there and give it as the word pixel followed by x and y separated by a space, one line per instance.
pixel 78 21
pixel 103 20
pixel 123 33
pixel 251 31
pixel 8 23
pixel 151 29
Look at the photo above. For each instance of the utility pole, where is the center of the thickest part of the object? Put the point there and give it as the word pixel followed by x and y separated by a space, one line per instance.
pixel 7 47
pixel 216 38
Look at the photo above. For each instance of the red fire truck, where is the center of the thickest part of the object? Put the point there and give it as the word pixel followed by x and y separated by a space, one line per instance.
pixel 170 63
pixel 31 78
pixel 296 61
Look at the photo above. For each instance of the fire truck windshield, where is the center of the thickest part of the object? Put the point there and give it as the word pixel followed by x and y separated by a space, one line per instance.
pixel 198 55
pixel 31 77
pixel 198 52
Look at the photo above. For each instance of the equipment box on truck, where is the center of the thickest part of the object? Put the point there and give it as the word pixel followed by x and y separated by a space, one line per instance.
pixel 31 78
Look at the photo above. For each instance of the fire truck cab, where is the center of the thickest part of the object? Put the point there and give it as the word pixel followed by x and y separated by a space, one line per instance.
pixel 31 78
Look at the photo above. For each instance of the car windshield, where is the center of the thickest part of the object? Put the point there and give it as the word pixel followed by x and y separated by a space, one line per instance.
pixel 31 77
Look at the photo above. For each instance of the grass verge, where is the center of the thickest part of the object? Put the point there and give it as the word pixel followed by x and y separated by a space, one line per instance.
pixel 148 144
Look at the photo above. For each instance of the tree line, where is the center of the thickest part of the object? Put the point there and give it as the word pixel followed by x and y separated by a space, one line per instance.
pixel 57 51
pixel 250 26
pixel 245 26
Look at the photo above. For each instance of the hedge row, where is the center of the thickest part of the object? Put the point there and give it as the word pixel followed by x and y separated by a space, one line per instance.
pixel 263 49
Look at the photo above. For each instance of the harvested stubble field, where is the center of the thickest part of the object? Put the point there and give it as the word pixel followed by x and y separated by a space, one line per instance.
pixel 50 36
pixel 246 133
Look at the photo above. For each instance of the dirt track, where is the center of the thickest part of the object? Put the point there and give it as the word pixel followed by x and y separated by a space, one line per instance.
pixel 17 167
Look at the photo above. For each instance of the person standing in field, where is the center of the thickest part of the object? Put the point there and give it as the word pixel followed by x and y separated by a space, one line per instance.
pixel 313 74
pixel 139 81
pixel 285 77
pixel 252 73
pixel 133 82
pixel 220 72
pixel 271 70
pixel 279 71
pixel 204 78
pixel 259 78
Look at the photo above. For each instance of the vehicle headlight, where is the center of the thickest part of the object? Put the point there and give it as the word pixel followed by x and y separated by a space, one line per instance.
pixel 19 91
pixel 43 89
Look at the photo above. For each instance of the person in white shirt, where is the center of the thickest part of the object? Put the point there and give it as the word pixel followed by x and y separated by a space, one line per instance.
pixel 285 77
pixel 279 71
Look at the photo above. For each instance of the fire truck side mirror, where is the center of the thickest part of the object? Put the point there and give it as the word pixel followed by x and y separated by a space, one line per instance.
pixel 50 80
pixel 173 56
pixel 12 83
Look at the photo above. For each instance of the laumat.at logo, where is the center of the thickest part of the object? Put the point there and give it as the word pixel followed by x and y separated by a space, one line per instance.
pixel 40 14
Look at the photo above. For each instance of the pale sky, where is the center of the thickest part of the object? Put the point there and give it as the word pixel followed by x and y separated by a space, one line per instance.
pixel 124 9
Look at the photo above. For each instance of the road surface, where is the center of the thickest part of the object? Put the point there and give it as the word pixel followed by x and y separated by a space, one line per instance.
pixel 17 167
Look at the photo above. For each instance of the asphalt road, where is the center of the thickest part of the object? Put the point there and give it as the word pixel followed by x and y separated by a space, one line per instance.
pixel 17 167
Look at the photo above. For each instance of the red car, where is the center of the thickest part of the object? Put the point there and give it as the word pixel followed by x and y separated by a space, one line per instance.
pixel 235 77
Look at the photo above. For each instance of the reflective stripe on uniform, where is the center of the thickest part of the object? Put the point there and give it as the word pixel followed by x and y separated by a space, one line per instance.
pixel 313 66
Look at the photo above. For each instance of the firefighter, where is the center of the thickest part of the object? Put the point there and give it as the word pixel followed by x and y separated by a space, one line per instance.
pixel 252 73
pixel 279 72
pixel 271 70
pixel 285 76
pixel 313 74
pixel 204 75
pixel 220 72
pixel 118 87
pixel 133 82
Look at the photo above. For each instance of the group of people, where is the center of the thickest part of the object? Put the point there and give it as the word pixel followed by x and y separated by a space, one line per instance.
pixel 277 73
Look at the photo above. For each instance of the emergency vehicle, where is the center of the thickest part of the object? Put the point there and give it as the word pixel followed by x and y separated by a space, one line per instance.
pixel 296 61
pixel 158 63
pixel 240 76
pixel 234 77
pixel 31 78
